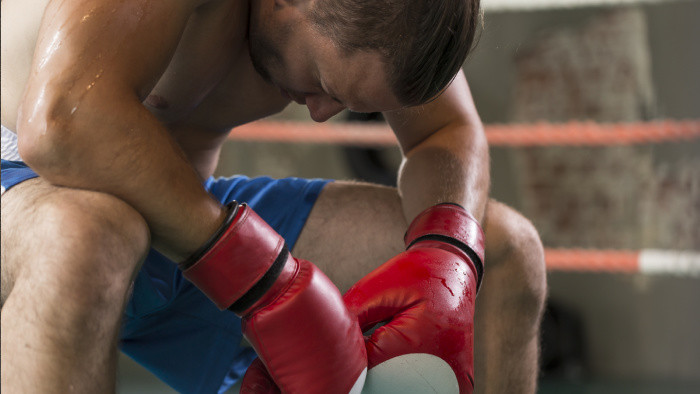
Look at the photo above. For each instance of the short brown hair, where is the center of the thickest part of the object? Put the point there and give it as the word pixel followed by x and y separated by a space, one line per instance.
pixel 423 42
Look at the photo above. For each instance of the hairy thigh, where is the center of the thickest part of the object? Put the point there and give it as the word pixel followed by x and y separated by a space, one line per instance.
pixel 352 229
pixel 44 226
pixel 18 213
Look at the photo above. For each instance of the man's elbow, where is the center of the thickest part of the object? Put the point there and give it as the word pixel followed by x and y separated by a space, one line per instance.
pixel 45 130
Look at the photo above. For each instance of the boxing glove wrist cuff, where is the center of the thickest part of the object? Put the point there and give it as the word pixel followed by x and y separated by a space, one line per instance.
pixel 238 257
pixel 452 224
pixel 265 284
pixel 231 211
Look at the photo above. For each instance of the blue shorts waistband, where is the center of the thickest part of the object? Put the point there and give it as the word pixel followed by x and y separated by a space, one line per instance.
pixel 14 173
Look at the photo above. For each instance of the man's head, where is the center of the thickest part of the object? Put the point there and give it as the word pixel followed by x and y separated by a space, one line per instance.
pixel 367 55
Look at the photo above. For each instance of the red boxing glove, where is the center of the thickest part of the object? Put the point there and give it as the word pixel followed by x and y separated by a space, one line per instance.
pixel 426 294
pixel 292 314
pixel 257 380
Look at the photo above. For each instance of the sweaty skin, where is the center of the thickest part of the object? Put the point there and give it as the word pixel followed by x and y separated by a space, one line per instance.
pixel 82 97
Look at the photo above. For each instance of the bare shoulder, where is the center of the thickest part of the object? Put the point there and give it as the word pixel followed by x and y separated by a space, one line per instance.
pixel 75 30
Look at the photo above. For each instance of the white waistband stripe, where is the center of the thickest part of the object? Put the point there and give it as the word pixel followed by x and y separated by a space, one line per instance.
pixel 9 145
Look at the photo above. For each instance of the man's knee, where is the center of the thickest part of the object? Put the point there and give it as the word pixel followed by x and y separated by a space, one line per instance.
pixel 103 239
pixel 83 247
pixel 515 258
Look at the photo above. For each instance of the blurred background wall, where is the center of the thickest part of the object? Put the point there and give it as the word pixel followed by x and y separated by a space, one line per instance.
pixel 603 332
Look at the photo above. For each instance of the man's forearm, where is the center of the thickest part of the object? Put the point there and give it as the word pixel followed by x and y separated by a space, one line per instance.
pixel 452 165
pixel 446 157
pixel 126 152
pixel 81 122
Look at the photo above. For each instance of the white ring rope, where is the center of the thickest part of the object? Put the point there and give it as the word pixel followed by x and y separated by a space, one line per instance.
pixel 531 5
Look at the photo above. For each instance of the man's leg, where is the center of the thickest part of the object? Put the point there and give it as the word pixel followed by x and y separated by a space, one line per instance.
pixel 68 259
pixel 351 230
pixel 510 304
pixel 355 227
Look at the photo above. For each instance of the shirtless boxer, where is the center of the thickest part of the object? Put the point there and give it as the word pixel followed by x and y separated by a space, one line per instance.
pixel 122 108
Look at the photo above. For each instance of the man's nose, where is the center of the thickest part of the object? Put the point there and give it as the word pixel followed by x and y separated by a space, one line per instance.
pixel 322 107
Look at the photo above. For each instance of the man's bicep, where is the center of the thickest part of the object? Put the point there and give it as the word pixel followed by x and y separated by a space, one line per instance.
pixel 126 44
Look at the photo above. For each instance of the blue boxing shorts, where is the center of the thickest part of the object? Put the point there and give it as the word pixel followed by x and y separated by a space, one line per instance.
pixel 169 326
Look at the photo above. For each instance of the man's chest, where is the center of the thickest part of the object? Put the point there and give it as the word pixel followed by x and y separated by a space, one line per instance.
pixel 210 81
